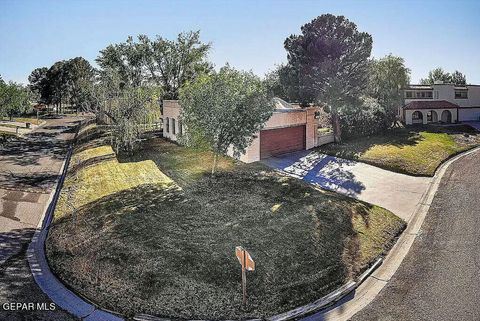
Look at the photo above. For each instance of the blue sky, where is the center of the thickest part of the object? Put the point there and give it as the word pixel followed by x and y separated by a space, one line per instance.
pixel 247 34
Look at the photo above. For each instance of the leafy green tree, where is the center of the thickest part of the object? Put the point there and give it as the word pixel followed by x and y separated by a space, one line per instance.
pixel 161 62
pixel 127 108
pixel 283 82
pixel 458 78
pixel 173 63
pixel 127 60
pixel 437 75
pixel 331 57
pixel 368 118
pixel 39 84
pixel 80 76
pixel 387 77
pixel 226 109
pixel 57 76
pixel 14 99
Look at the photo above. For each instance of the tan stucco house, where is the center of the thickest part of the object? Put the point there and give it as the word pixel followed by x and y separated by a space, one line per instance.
pixel 290 128
pixel 440 102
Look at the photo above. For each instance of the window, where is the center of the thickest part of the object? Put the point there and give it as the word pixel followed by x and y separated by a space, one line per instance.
pixel 409 94
pixel 461 94
pixel 429 116
pixel 424 94
pixel 180 127
pixel 173 126
pixel 168 125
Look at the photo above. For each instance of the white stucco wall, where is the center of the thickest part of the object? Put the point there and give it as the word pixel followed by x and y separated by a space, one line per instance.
pixel 447 92
pixel 171 111
pixel 408 114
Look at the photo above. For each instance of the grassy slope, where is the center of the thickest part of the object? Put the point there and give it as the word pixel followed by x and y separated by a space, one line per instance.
pixel 415 151
pixel 166 251
pixel 24 120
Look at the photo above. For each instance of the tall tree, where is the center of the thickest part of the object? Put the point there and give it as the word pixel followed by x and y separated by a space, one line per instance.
pixel 80 76
pixel 39 84
pixel 57 76
pixel 459 78
pixel 437 75
pixel 226 109
pixel 127 108
pixel 331 56
pixel 162 62
pixel 283 82
pixel 127 60
pixel 173 63
pixel 387 77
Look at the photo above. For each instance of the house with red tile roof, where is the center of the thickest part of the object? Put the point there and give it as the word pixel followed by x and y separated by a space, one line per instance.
pixel 440 103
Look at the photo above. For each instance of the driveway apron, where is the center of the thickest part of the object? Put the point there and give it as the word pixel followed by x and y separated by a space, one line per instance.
pixel 396 192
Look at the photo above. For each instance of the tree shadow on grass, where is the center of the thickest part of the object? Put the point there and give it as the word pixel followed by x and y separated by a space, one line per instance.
pixel 398 137
pixel 75 168
pixel 170 253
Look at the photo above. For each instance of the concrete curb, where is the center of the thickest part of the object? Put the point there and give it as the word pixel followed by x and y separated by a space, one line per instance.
pixel 374 283
pixel 370 282
pixel 299 312
pixel 46 280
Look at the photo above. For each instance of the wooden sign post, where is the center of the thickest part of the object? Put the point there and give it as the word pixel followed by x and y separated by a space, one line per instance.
pixel 247 265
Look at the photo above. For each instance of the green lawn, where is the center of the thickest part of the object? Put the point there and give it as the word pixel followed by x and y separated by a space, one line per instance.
pixel 411 150
pixel 141 244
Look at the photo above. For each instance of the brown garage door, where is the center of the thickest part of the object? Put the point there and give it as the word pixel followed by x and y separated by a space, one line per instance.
pixel 282 140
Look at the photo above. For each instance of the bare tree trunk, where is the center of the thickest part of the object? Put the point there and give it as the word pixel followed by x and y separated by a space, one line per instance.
pixel 337 130
pixel 215 160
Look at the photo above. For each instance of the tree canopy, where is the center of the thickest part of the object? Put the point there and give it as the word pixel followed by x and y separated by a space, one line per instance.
pixel 439 75
pixel 66 81
pixel 161 62
pixel 331 59
pixel 14 99
pixel 226 108
pixel 387 78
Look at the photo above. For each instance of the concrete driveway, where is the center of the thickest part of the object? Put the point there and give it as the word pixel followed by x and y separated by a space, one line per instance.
pixel 396 192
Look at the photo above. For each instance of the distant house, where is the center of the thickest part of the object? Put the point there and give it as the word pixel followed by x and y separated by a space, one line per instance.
pixel 290 128
pixel 445 103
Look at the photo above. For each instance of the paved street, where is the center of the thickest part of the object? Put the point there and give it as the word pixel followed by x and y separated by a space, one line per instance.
pixel 474 124
pixel 396 192
pixel 439 278
pixel 28 170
